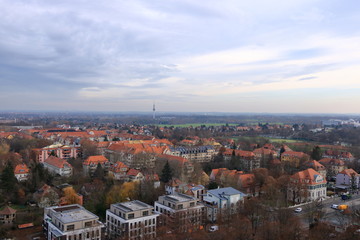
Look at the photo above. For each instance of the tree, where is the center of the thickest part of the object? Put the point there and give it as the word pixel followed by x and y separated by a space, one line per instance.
pixel 99 172
pixel 8 179
pixel 316 153
pixel 212 185
pixel 166 174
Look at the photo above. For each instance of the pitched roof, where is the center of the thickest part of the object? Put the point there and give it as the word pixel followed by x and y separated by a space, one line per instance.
pixel 247 180
pixel 57 162
pixel 310 175
pixel 294 154
pixel 350 172
pixel 118 166
pixel 314 164
pixel 133 172
pixel 21 169
pixel 95 160
pixel 332 161
pixel 241 153
pixel 7 211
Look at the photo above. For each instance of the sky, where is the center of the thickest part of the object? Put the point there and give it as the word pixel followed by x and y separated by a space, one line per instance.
pixel 260 56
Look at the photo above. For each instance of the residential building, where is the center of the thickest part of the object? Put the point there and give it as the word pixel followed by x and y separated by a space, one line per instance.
pixel 248 158
pixel 119 170
pixel 294 158
pixel 182 166
pixel 90 164
pixel 222 201
pixel 177 186
pixel 316 166
pixel 46 196
pixel 58 150
pixel 7 215
pixel 71 222
pixel 333 166
pixel 180 212
pixel 134 175
pixel 131 220
pixel 22 172
pixel 197 154
pixel 307 185
pixel 337 154
pixel 58 166
pixel 347 179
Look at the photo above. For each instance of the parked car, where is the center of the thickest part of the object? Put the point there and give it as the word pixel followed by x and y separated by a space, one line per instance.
pixel 213 228
pixel 297 210
pixel 335 206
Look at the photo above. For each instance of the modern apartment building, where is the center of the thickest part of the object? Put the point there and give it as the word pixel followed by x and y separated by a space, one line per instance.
pixel 59 150
pixel 71 222
pixel 131 220
pixel 180 212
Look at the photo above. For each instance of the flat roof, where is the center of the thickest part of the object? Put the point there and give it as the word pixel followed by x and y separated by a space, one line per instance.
pixel 132 206
pixel 179 198
pixel 73 213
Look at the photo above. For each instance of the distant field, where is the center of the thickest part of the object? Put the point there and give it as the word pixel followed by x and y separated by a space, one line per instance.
pixel 274 140
pixel 196 124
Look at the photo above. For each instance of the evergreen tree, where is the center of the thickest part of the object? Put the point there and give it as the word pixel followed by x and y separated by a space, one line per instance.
pixel 8 179
pixel 166 174
pixel 213 185
pixel 316 153
pixel 99 172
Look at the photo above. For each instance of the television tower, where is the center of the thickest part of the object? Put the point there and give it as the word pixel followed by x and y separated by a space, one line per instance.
pixel 154 110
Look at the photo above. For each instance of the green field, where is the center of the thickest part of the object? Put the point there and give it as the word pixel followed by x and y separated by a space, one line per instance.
pixel 196 124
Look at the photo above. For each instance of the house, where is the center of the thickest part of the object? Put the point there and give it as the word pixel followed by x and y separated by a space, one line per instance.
pixel 131 220
pixel 316 166
pixel 134 175
pixel 119 171
pixel 58 166
pixel 347 179
pixel 333 166
pixel 90 164
pixel 248 158
pixel 177 186
pixel 222 201
pixel 294 158
pixel 46 196
pixel 154 178
pixel 7 215
pixel 71 222
pixel 180 212
pixel 307 185
pixel 181 165
pixel 22 172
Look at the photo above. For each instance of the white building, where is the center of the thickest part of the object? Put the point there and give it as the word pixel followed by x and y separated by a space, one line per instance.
pixel 307 185
pixel 71 222
pixel 222 200
pixel 22 172
pixel 347 179
pixel 180 212
pixel 131 220
pixel 58 166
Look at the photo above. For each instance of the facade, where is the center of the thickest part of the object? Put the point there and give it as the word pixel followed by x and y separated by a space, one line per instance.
pixel 119 170
pixel 307 185
pixel 222 201
pixel 198 154
pixel 347 179
pixel 342 155
pixel 71 222
pixel 21 172
pixel 58 166
pixel 333 166
pixel 59 150
pixel 131 220
pixel 294 158
pixel 180 212
pixel 248 158
pixel 316 166
pixel 7 215
pixel 90 164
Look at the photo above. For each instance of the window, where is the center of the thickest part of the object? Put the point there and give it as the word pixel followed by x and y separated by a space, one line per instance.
pixel 192 204
pixel 180 206
pixel 130 216
pixel 88 224
pixel 145 213
pixel 70 227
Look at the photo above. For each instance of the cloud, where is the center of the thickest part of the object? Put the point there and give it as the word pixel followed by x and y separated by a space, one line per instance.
pixel 92 54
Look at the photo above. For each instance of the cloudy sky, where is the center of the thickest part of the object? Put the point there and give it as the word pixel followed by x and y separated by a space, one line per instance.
pixel 275 56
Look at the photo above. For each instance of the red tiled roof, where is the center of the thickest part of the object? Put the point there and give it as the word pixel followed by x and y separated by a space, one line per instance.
pixel 95 160
pixel 241 153
pixel 294 154
pixel 21 169
pixel 7 211
pixel 57 162
pixel 350 172
pixel 314 164
pixel 332 161
pixel 116 168
pixel 133 172
pixel 309 175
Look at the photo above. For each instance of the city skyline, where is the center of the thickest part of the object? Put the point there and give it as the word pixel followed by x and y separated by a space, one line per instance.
pixel 205 56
